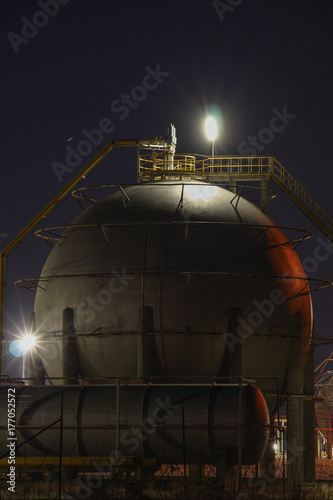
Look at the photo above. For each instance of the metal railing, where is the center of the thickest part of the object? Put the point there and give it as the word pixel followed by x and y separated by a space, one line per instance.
pixel 158 164
pixel 280 175
pixel 253 168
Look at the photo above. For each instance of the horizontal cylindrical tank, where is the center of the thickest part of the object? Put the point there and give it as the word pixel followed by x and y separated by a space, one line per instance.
pixel 170 423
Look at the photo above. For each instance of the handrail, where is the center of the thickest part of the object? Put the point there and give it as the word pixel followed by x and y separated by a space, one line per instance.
pixel 252 167
pixel 150 164
pixel 302 194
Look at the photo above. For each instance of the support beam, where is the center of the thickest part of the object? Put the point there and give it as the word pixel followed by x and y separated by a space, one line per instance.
pixel 309 418
pixel 267 462
pixel 295 428
pixel 70 360
pixel 263 196
pixel 233 185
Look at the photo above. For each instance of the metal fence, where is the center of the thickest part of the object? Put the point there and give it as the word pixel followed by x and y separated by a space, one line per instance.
pixel 70 474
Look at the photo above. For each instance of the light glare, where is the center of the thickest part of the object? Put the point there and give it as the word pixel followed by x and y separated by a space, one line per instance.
pixel 27 342
pixel 21 346
pixel 211 128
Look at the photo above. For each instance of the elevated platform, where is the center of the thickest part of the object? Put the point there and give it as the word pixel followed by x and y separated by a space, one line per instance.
pixel 235 169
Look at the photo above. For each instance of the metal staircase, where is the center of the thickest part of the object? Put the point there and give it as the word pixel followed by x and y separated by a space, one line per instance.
pixel 302 198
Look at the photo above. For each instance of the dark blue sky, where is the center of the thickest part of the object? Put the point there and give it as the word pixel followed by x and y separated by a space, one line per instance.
pixel 243 59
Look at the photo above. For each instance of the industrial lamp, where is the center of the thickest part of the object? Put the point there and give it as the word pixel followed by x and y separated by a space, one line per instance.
pixel 211 131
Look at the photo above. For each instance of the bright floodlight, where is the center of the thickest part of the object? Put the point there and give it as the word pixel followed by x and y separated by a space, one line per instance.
pixel 20 346
pixel 211 129
pixel 27 342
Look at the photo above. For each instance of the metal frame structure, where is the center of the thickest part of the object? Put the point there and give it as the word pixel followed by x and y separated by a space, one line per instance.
pixel 161 162
pixel 160 143
pixel 48 234
pixel 239 169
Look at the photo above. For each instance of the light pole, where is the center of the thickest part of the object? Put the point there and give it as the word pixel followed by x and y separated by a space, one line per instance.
pixel 211 132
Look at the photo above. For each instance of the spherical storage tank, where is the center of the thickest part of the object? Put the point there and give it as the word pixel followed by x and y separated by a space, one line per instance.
pixel 169 279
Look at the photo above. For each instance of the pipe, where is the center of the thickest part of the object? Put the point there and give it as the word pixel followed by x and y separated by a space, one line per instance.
pixel 124 462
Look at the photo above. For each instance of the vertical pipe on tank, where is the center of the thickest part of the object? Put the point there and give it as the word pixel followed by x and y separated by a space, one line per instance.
pixel 232 186
pixel 263 196
pixel 171 147
pixel 36 367
pixel 233 368
pixel 70 364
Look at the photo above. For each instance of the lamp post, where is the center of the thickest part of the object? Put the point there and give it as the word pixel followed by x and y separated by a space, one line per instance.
pixel 211 132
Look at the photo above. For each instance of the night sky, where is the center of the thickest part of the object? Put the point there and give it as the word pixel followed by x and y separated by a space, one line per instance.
pixel 142 65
